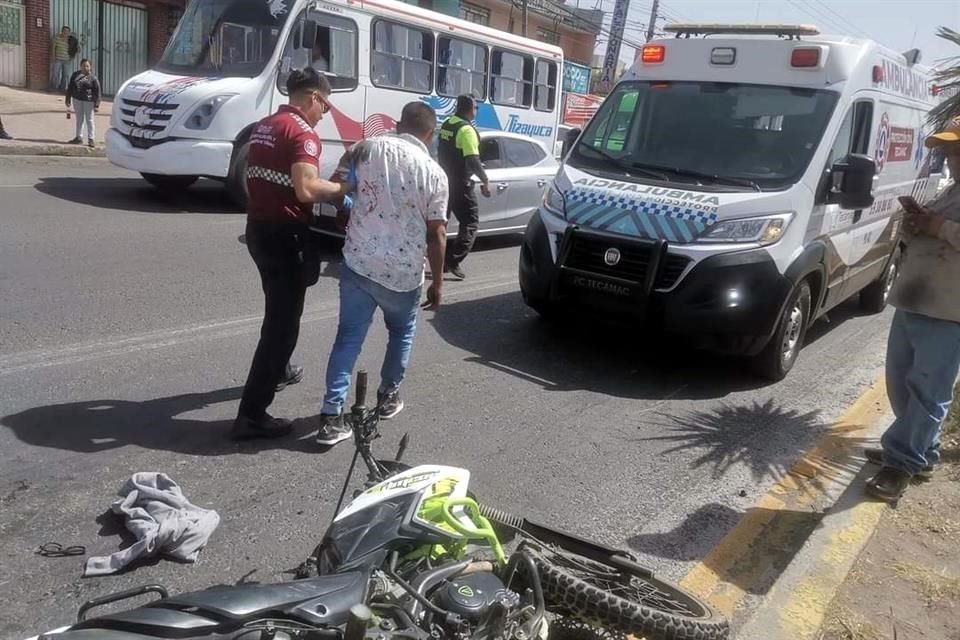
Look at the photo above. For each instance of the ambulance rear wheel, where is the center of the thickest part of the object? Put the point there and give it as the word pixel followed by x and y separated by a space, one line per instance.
pixel 778 357
pixel 873 297
pixel 169 183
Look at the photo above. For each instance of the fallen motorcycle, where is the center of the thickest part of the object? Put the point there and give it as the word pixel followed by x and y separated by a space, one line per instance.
pixel 414 556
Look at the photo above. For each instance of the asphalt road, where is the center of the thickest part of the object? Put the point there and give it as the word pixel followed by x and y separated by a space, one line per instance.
pixel 127 323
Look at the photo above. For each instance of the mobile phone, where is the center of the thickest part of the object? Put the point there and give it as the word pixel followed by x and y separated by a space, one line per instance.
pixel 910 205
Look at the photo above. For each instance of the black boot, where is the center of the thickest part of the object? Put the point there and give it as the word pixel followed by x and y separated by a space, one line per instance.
pixel 291 375
pixel 245 428
pixel 889 484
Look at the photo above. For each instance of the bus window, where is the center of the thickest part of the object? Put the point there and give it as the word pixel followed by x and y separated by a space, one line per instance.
pixel 402 57
pixel 545 87
pixel 511 79
pixel 461 68
pixel 223 38
pixel 328 44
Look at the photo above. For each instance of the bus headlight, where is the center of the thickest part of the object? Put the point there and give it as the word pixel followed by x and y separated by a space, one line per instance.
pixel 554 202
pixel 203 115
pixel 762 230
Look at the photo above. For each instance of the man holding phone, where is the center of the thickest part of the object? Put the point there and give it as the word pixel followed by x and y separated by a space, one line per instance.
pixel 923 351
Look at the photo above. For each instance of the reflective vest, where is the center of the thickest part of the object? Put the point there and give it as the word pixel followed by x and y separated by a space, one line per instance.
pixel 448 155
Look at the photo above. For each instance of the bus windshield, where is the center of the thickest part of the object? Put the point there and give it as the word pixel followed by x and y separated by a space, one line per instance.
pixel 707 133
pixel 225 38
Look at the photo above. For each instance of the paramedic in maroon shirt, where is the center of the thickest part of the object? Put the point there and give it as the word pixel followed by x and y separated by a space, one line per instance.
pixel 283 178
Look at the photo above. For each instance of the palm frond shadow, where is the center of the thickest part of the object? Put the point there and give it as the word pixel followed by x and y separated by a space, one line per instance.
pixel 733 435
pixel 752 436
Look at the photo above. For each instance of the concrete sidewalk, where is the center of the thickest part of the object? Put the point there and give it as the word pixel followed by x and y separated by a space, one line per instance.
pixel 39 125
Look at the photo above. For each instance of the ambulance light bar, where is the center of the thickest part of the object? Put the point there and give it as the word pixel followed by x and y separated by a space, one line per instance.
pixel 788 30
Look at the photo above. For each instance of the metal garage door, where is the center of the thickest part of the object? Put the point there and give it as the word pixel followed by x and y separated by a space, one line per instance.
pixel 113 36
pixel 124 45
pixel 13 61
pixel 81 17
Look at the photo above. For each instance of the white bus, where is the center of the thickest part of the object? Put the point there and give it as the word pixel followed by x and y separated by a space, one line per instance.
pixel 227 63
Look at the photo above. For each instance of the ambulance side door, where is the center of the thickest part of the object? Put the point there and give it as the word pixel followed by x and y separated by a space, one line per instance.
pixel 840 225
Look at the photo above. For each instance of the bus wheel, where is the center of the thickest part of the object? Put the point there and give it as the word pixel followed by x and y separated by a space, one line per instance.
pixel 778 357
pixel 169 183
pixel 237 177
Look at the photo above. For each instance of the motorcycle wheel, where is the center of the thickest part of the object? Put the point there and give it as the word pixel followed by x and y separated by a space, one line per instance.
pixel 614 598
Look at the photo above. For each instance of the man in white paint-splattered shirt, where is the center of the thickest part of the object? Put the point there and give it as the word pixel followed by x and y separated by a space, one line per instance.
pixel 399 215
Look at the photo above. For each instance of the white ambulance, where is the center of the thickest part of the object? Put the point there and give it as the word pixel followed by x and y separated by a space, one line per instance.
pixel 227 63
pixel 737 183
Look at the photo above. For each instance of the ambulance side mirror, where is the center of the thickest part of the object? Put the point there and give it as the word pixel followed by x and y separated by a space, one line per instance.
pixel 568 141
pixel 852 181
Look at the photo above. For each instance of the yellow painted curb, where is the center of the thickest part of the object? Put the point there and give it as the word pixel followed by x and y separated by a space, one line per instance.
pixel 767 537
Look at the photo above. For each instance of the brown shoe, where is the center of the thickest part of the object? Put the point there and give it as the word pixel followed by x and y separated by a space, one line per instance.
pixel 889 484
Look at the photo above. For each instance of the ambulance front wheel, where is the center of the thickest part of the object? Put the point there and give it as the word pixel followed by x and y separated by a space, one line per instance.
pixel 778 357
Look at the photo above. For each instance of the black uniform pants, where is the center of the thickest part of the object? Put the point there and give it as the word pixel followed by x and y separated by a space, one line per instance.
pixel 287 265
pixel 465 208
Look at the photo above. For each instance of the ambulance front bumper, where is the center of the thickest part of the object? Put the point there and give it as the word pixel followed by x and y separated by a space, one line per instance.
pixel 175 157
pixel 729 302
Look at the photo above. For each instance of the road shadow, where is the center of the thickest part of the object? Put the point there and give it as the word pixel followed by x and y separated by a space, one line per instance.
pixel 752 436
pixel 501 333
pixel 134 194
pixel 750 549
pixel 160 424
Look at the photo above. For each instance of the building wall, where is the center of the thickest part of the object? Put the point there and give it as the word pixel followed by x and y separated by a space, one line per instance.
pixel 161 19
pixel 577 45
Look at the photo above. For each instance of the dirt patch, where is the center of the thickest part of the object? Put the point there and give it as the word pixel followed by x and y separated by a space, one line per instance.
pixel 906 584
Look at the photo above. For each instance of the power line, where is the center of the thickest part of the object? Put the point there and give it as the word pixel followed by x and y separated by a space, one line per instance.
pixel 598 27
pixel 819 17
pixel 846 23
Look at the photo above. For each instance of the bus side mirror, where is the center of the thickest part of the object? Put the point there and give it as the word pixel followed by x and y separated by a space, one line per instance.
pixel 309 37
pixel 852 181
pixel 568 141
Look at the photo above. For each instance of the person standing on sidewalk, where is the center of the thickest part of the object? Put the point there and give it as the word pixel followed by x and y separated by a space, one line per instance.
pixel 923 351
pixel 398 216
pixel 84 92
pixel 283 179
pixel 459 154
pixel 63 49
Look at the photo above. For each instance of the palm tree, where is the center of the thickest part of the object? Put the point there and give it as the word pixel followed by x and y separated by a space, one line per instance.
pixel 948 80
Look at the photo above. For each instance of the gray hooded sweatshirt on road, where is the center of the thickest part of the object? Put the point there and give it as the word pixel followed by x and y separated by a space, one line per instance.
pixel 163 521
pixel 929 282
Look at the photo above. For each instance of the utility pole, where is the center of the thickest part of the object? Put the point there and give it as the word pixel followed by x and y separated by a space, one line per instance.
pixel 652 26
pixel 524 18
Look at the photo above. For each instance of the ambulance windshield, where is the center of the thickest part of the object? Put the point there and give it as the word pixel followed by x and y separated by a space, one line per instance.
pixel 719 134
pixel 225 38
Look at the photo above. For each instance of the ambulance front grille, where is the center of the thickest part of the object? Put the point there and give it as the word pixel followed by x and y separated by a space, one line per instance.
pixel 587 254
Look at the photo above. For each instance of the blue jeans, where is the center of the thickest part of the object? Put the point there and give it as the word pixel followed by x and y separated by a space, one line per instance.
pixel 359 299
pixel 61 74
pixel 923 360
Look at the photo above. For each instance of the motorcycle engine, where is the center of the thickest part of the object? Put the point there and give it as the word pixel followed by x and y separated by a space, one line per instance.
pixel 472 596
